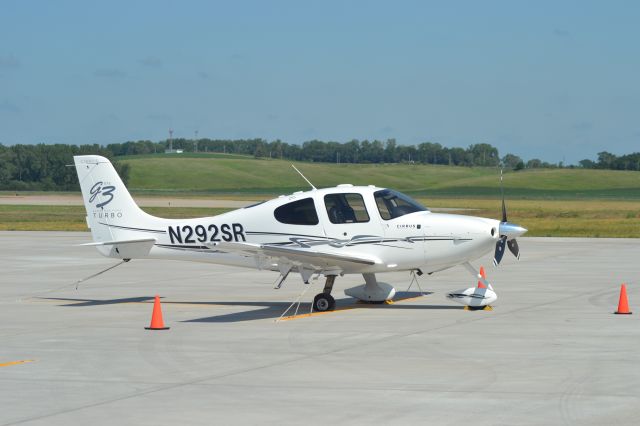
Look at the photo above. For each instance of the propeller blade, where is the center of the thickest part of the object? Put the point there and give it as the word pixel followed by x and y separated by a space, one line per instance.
pixel 513 247
pixel 508 232
pixel 497 257
pixel 504 209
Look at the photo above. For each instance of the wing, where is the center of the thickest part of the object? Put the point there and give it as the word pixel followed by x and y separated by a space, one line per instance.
pixel 310 256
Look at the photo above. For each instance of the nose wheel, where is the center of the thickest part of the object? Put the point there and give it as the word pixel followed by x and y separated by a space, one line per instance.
pixel 324 301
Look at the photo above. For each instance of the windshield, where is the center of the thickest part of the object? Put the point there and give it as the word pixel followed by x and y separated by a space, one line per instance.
pixel 392 204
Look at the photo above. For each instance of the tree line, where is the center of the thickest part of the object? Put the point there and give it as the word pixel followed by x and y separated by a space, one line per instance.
pixel 607 160
pixel 44 167
pixel 47 167
pixel 354 151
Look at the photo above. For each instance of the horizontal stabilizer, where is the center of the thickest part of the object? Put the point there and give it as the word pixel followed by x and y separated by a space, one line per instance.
pixel 111 243
pixel 126 249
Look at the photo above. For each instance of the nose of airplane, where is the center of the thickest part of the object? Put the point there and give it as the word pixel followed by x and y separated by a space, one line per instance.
pixel 511 230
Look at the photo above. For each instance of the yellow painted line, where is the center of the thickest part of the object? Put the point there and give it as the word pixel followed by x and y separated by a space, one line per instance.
pixel 24 361
pixel 313 314
pixel 358 305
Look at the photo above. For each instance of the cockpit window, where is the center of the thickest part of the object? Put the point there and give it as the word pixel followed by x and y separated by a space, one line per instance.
pixel 346 208
pixel 301 212
pixel 392 204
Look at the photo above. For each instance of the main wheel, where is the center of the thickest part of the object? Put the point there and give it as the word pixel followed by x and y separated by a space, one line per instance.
pixel 324 302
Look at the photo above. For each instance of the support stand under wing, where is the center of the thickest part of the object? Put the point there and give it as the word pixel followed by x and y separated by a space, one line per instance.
pixel 474 297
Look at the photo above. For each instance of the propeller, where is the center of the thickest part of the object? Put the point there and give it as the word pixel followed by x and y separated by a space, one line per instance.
pixel 508 233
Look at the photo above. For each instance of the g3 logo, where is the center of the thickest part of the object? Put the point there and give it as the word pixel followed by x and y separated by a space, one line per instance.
pixel 106 190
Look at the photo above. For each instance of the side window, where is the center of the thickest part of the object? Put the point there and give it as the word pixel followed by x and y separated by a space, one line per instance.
pixel 346 208
pixel 383 208
pixel 301 212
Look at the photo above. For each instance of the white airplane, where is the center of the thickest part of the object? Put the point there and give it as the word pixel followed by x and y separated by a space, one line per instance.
pixel 332 231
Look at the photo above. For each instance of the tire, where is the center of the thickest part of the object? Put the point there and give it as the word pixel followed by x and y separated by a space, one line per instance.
pixel 323 303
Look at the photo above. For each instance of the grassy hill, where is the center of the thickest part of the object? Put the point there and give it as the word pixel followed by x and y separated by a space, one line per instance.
pixel 191 174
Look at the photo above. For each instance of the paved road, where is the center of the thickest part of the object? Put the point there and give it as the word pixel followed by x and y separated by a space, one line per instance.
pixel 551 353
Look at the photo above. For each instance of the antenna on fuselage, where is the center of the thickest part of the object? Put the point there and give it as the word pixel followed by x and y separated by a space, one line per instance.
pixel 300 173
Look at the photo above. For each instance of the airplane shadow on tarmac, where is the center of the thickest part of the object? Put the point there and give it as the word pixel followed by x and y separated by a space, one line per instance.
pixel 266 310
pixel 96 302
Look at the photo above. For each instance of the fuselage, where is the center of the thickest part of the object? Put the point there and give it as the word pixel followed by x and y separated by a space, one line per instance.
pixel 346 220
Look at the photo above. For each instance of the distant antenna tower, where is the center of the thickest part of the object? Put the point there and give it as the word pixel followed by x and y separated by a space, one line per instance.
pixel 196 143
pixel 170 140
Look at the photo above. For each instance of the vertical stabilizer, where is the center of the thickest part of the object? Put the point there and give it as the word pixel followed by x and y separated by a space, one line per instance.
pixel 112 214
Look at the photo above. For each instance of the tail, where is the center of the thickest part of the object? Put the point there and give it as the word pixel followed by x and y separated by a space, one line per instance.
pixel 117 224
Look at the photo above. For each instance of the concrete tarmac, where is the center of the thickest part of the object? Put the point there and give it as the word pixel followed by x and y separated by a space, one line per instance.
pixel 550 353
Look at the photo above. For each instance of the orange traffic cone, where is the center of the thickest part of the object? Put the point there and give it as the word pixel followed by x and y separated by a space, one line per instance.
pixel 156 317
pixel 484 276
pixel 623 304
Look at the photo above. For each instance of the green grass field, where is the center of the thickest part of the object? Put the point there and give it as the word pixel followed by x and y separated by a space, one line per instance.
pixel 224 174
pixel 558 218
pixel 550 202
pixel 72 218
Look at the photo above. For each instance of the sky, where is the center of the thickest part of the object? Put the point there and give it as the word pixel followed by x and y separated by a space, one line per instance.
pixel 555 80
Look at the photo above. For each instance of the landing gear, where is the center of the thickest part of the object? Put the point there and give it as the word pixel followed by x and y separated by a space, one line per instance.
pixel 324 301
